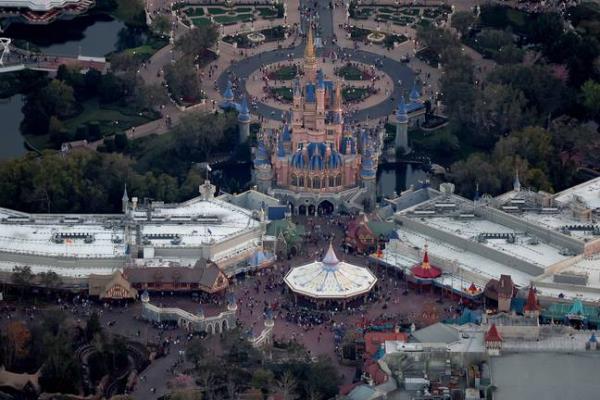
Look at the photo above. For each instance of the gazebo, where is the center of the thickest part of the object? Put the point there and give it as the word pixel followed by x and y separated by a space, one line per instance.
pixel 424 273
pixel 330 280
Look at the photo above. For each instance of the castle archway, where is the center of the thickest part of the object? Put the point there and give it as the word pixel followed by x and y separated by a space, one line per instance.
pixel 325 207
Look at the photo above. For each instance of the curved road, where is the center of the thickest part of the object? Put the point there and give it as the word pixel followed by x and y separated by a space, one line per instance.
pixel 395 69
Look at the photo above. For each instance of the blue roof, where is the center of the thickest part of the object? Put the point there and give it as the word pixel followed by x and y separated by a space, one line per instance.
pixel 320 79
pixel 228 94
pixel 316 162
pixel 593 338
pixel 412 107
pixel 244 112
pixel 401 114
pixel 315 147
pixel 262 157
pixel 276 212
pixel 348 141
pixel 298 160
pixel 280 149
pixel 335 160
pixel 367 167
pixel 415 95
pixel 258 258
pixel 310 93
pixel 286 135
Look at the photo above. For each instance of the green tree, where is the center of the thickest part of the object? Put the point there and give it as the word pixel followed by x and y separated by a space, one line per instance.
pixel 49 279
pixel 195 351
pixel 262 379
pixel 196 41
pixel 287 385
pixel 22 277
pixel 148 97
pixel 476 169
pixel 58 99
pixel 60 373
pixel 93 327
pixel 590 93
pixel 132 12
pixel 462 21
pixel 161 24
pixel 182 80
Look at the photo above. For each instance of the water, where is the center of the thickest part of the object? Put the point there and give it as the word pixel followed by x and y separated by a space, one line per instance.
pixel 397 177
pixel 90 35
pixel 10 118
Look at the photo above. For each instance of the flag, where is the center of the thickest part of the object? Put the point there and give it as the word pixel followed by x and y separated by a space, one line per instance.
pixel 208 168
pixel 209 231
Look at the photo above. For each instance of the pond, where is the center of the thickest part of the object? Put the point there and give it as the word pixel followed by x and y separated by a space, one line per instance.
pixel 11 117
pixel 394 177
pixel 90 35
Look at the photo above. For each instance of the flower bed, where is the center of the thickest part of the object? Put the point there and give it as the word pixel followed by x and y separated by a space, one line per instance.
pixel 230 20
pixel 200 21
pixel 391 39
pixel 244 42
pixel 413 12
pixel 429 56
pixel 216 10
pixel 350 72
pixel 285 73
pixel 358 33
pixel 283 93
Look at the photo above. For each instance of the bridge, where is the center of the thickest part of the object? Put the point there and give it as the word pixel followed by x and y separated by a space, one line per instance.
pixel 16 59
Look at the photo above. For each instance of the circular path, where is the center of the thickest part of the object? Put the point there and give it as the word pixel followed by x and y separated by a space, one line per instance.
pixel 401 75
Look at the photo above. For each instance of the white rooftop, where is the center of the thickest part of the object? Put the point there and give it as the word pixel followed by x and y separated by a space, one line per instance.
pixel 330 279
pixel 37 5
pixel 588 191
pixel 541 254
pixel 478 266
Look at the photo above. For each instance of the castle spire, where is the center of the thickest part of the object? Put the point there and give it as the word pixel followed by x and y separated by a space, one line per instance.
pixel 309 50
pixel 517 183
pixel 337 104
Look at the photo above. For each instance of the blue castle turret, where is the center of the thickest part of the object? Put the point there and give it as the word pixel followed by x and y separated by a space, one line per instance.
pixel 243 121
pixel 367 175
pixel 401 142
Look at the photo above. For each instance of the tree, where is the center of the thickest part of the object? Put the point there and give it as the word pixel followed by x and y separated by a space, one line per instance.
pixel 476 169
pixel 17 342
pixel 182 78
pixel 121 142
pixel 197 41
pixel 161 24
pixel 60 372
pixel 150 96
pixel 132 12
pixel 93 326
pixel 22 277
pixel 590 93
pixel 262 379
pixel 195 351
pixel 287 385
pixel 58 99
pixel 124 62
pixel 49 279
pixel 462 21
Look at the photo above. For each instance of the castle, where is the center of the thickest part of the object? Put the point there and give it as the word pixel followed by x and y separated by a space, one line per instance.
pixel 315 163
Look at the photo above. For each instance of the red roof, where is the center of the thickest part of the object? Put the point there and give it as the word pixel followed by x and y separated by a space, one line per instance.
pixel 425 270
pixel 473 288
pixel 492 335
pixel 375 372
pixel 373 340
pixel 532 303
pixel 347 388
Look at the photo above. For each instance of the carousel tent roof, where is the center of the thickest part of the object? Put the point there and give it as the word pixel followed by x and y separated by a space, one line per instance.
pixel 425 270
pixel 330 279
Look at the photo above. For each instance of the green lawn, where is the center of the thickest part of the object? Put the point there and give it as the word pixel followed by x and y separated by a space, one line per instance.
pixel 194 11
pixel 285 73
pixel 216 10
pixel 229 20
pixel 285 93
pixel 355 94
pixel 200 21
pixel 106 117
pixel 350 73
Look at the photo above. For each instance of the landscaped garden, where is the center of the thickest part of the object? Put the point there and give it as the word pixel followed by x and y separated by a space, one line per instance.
pixel 350 94
pixel 429 56
pixel 401 15
pixel 353 72
pixel 285 73
pixel 388 39
pixel 244 41
pixel 202 15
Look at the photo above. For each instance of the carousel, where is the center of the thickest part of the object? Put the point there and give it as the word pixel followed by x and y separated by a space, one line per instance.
pixel 423 274
pixel 330 281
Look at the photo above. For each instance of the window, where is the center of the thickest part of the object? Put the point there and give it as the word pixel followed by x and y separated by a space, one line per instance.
pixel 316 182
pixel 332 181
pixel 294 180
pixel 301 181
pixel 338 180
